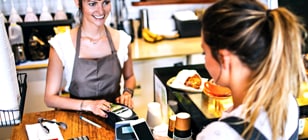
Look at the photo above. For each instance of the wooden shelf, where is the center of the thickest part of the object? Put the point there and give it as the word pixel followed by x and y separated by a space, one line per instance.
pixel 164 2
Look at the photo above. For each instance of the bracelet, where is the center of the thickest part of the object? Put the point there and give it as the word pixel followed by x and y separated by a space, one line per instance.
pixel 130 91
pixel 81 105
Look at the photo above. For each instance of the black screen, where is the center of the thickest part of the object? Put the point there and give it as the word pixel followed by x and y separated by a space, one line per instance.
pixel 142 131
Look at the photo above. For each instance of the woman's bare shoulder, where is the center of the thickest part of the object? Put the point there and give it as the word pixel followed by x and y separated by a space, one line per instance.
pixel 74 31
pixel 113 31
pixel 115 34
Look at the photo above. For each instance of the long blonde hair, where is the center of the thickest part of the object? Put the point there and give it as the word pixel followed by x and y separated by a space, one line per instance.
pixel 269 42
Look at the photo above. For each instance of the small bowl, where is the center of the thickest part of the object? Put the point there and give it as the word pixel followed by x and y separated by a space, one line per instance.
pixel 216 91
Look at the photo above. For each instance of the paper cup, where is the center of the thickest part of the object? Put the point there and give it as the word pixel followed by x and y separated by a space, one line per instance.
pixel 182 126
pixel 154 115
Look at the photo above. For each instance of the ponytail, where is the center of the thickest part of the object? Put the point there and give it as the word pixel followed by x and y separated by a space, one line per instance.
pixel 280 67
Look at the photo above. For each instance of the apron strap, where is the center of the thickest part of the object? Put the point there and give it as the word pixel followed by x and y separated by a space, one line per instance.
pixel 78 42
pixel 77 50
pixel 294 135
pixel 113 50
pixel 239 125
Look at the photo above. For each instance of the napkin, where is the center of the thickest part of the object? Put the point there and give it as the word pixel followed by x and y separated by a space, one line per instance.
pixel 36 132
pixel 3 17
pixel 182 76
pixel 9 95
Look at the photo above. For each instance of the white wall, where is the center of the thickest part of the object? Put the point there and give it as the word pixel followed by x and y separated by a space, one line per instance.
pixel 159 15
pixel 21 5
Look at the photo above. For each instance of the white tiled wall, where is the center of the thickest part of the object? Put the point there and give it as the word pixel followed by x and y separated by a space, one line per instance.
pixel 159 15
pixel 21 5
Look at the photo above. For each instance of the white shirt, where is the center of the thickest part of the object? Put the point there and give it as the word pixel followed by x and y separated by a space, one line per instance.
pixel 219 130
pixel 63 45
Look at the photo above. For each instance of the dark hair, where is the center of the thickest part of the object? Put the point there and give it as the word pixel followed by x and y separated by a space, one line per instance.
pixel 240 26
pixel 79 12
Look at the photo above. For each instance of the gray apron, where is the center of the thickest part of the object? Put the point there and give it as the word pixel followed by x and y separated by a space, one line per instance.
pixel 96 78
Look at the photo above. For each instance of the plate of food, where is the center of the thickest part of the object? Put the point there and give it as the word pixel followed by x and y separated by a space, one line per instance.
pixel 187 80
pixel 212 90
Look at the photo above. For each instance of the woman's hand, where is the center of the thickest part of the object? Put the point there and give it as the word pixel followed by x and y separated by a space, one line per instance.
pixel 98 107
pixel 125 99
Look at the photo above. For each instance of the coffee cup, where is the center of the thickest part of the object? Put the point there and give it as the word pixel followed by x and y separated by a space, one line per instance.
pixel 154 115
pixel 182 129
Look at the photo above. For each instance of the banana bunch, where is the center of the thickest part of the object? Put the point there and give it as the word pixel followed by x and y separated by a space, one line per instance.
pixel 150 36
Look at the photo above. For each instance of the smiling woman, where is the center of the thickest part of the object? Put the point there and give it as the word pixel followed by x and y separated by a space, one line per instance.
pixel 96 57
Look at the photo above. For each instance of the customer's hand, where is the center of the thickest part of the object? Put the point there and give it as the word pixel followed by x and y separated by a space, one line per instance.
pixel 98 107
pixel 125 99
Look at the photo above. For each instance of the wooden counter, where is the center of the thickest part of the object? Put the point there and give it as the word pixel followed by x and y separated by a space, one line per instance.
pixel 32 65
pixel 142 50
pixel 75 126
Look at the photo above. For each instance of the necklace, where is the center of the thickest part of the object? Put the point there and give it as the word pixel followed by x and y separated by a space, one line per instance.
pixel 93 41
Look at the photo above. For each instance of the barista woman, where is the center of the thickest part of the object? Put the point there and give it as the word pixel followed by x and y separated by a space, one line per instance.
pixel 256 52
pixel 92 57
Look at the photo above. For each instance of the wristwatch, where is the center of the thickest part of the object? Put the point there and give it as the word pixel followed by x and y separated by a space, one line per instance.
pixel 129 90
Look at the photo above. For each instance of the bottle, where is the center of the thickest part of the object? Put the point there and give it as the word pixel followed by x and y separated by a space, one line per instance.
pixel 15 17
pixel 17 42
pixel 30 15
pixel 60 14
pixel 45 15
pixel 144 16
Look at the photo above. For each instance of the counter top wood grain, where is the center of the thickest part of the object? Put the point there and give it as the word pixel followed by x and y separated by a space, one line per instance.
pixel 75 126
pixel 142 50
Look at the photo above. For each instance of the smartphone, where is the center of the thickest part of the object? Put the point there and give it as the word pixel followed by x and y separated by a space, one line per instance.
pixel 124 131
pixel 141 129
